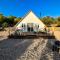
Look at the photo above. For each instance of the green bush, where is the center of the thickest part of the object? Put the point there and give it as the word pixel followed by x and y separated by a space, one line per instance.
pixel 5 24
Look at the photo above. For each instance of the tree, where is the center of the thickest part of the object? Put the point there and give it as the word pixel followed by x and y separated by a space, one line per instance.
pixel 11 20
pixel 17 20
pixel 48 20
pixel 5 24
pixel 58 21
pixel 1 18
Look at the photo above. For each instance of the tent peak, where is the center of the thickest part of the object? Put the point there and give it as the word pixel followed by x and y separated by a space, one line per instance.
pixel 30 12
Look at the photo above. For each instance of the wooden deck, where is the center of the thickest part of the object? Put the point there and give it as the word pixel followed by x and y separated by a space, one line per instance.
pixel 32 35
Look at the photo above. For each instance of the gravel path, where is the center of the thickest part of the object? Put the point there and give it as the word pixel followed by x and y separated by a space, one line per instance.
pixel 33 52
pixel 48 54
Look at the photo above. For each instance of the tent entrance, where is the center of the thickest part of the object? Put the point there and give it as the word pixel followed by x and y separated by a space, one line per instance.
pixel 30 27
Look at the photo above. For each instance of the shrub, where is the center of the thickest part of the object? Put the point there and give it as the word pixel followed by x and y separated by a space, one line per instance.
pixel 5 24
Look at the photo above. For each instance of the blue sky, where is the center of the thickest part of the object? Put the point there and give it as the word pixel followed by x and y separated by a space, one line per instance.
pixel 19 8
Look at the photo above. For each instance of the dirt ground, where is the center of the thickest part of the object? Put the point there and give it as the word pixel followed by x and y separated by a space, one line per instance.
pixel 4 34
pixel 57 35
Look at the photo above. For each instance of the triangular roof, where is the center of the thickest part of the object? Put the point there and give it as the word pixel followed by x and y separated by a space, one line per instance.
pixel 31 17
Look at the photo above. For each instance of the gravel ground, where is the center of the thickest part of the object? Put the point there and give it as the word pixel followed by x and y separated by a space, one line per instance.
pixel 33 52
pixel 27 49
pixel 48 54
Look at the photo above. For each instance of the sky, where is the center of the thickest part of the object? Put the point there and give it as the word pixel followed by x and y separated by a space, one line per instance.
pixel 19 8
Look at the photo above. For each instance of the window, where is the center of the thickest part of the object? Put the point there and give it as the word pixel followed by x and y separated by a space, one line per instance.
pixel 23 26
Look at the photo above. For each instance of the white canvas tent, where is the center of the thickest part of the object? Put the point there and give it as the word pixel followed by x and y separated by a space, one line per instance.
pixel 31 23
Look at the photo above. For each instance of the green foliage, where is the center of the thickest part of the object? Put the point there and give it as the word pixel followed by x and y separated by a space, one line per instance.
pixel 5 24
pixel 17 20
pixel 11 20
pixel 1 18
pixel 48 20
pixel 58 21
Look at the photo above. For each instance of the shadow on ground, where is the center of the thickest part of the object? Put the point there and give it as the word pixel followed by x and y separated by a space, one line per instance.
pixel 48 54
pixel 11 49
